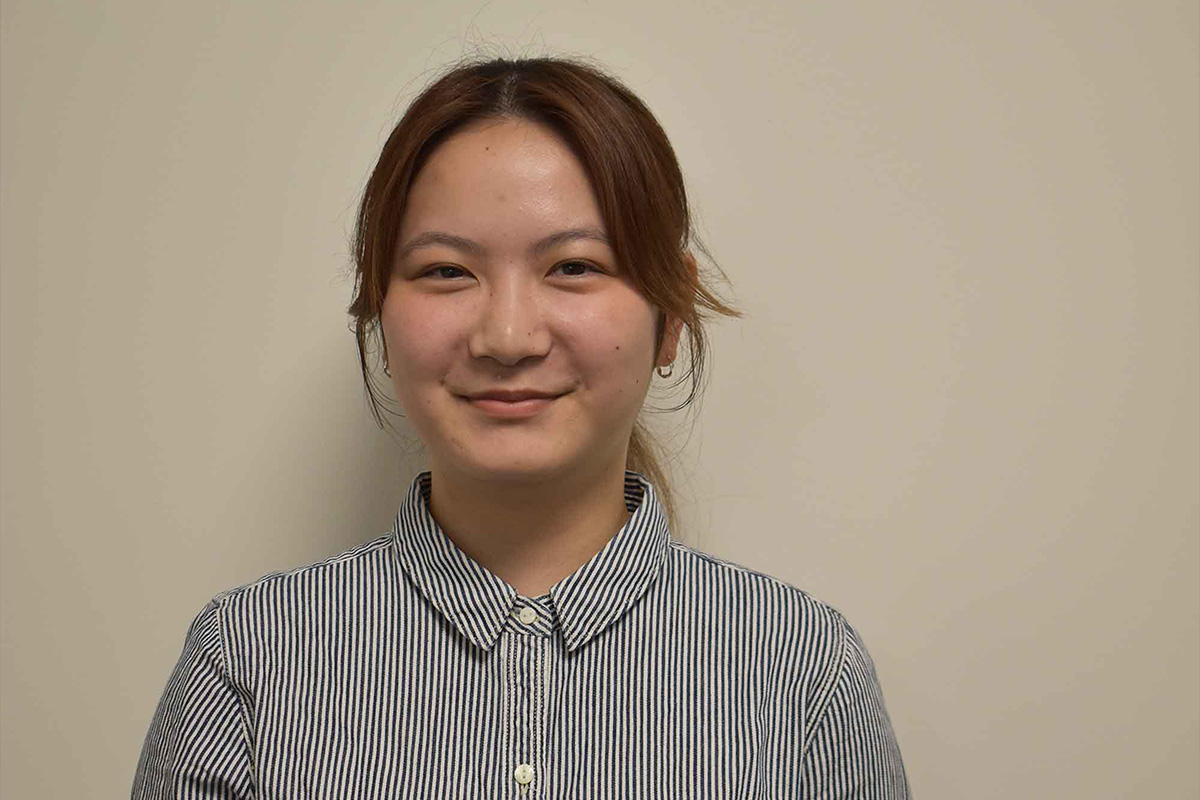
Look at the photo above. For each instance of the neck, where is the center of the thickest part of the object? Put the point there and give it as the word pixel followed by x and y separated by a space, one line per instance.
pixel 533 533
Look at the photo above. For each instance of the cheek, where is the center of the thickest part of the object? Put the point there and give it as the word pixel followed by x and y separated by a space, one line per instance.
pixel 615 344
pixel 421 337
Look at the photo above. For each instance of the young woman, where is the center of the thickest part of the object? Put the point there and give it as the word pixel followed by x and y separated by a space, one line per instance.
pixel 529 628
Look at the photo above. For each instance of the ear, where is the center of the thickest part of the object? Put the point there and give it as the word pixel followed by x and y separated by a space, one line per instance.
pixel 670 342
pixel 674 326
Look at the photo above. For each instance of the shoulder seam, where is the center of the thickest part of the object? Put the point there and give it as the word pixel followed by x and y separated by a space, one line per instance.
pixel 227 665
pixel 733 565
pixel 824 698
pixel 365 548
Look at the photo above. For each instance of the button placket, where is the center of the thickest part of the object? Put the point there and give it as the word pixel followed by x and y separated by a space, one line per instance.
pixel 522 724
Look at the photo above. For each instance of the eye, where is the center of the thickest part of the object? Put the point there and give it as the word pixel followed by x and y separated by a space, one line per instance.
pixel 575 269
pixel 444 271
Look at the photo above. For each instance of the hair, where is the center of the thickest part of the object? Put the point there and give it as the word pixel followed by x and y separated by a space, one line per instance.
pixel 635 176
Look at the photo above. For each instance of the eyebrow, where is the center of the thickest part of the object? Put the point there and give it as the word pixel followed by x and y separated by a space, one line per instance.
pixel 465 245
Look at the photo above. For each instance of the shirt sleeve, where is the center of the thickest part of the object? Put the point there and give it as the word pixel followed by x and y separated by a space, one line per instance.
pixel 852 753
pixel 197 747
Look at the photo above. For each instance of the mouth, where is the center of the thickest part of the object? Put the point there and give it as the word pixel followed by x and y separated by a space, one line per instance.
pixel 510 405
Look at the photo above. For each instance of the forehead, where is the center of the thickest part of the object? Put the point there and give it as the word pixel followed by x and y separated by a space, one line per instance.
pixel 498 176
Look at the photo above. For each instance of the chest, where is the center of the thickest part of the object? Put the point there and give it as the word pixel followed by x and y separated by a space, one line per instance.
pixel 418 714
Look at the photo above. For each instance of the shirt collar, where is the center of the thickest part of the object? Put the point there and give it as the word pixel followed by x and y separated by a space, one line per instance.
pixel 478 602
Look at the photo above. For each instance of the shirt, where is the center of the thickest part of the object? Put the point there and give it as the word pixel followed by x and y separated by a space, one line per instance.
pixel 404 669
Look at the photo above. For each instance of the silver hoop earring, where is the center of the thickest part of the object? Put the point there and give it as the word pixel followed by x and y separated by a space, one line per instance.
pixel 670 368
pixel 386 371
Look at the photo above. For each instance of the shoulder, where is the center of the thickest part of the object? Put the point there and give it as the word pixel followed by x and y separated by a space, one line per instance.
pixel 793 624
pixel 713 574
pixel 364 563
pixel 249 626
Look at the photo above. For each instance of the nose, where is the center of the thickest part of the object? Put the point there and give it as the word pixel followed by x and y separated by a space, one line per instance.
pixel 511 325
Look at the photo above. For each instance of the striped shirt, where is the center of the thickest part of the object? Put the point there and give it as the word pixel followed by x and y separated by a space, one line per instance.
pixel 404 669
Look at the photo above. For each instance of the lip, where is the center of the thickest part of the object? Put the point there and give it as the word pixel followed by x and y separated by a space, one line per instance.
pixel 511 405
pixel 511 395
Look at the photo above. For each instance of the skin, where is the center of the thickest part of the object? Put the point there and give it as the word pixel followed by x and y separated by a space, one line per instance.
pixel 530 499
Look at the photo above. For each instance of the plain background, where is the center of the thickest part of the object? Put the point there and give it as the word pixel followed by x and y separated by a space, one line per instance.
pixel 962 407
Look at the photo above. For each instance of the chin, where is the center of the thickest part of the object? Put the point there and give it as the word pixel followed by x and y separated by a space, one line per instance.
pixel 527 467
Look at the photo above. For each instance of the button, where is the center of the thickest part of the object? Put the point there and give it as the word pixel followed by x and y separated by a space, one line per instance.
pixel 527 615
pixel 523 774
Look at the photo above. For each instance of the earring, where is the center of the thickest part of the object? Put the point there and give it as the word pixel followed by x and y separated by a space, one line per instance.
pixel 386 371
pixel 670 368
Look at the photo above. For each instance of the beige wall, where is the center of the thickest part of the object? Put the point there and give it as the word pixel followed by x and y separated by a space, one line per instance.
pixel 962 407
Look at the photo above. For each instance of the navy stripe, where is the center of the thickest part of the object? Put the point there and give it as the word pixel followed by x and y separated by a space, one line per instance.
pixel 402 668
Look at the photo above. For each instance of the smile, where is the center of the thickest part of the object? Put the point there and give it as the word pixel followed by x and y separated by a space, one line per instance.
pixel 510 409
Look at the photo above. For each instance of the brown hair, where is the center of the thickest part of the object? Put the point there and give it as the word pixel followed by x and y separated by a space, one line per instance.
pixel 634 173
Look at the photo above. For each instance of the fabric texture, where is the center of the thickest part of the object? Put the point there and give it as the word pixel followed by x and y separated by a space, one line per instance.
pixel 404 669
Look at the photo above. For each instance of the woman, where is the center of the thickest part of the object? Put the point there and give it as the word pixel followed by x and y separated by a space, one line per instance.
pixel 529 628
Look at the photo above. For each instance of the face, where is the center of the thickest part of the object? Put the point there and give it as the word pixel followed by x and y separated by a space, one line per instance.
pixel 518 347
